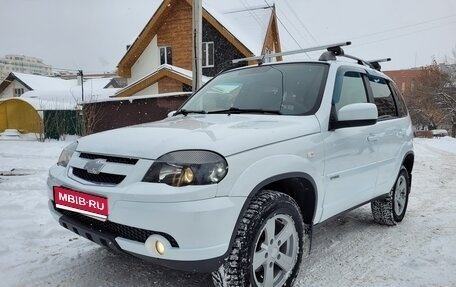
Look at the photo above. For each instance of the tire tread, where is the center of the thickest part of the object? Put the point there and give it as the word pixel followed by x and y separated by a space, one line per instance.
pixel 234 272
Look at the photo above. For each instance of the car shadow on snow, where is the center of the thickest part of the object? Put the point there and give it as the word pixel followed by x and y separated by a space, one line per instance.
pixel 102 267
pixel 115 269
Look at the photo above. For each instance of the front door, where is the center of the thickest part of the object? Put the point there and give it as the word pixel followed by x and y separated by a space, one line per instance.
pixel 351 153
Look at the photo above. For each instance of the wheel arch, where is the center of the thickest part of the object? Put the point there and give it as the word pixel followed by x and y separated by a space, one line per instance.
pixel 300 186
pixel 408 162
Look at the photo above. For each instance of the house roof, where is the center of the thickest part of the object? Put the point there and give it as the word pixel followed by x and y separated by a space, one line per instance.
pixel 47 93
pixel 182 75
pixel 35 82
pixel 246 30
pixel 248 26
pixel 134 98
pixel 65 99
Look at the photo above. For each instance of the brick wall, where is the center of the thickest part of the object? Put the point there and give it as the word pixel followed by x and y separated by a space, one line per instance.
pixel 406 80
pixel 177 33
pixel 224 51
pixel 168 85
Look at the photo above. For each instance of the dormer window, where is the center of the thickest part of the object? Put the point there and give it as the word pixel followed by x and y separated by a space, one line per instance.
pixel 166 56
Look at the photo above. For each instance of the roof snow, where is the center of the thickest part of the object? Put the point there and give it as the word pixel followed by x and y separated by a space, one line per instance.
pixel 248 26
pixel 42 82
pixel 183 72
pixel 65 99
pixel 58 94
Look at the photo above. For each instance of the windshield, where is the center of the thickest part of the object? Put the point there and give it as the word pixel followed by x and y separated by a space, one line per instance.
pixel 288 89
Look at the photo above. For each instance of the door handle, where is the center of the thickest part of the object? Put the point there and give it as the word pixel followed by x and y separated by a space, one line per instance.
pixel 400 133
pixel 372 138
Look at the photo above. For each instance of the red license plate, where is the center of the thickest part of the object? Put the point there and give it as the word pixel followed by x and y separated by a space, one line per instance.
pixel 93 205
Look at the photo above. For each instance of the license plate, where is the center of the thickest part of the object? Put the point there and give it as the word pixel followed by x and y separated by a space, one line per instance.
pixel 81 202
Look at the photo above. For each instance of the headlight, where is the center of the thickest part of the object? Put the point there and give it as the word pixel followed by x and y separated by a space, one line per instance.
pixel 188 167
pixel 66 154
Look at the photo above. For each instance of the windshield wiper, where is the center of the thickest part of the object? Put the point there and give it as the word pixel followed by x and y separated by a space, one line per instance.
pixel 234 110
pixel 186 112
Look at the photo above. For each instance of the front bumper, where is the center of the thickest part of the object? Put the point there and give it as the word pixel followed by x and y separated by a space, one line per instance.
pixel 196 234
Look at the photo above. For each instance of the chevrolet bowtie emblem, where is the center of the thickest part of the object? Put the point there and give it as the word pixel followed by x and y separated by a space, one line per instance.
pixel 94 166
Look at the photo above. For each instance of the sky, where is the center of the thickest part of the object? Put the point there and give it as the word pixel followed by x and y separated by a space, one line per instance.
pixel 92 34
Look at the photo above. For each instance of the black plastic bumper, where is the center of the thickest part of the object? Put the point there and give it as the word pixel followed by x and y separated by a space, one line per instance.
pixel 107 239
pixel 100 237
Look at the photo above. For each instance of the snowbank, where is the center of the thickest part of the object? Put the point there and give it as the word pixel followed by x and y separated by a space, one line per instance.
pixel 348 251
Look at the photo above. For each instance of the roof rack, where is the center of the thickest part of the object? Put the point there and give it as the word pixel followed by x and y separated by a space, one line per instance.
pixel 262 58
pixel 332 50
pixel 376 65
pixel 332 53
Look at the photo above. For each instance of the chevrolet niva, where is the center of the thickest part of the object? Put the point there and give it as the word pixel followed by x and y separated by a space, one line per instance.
pixel 235 180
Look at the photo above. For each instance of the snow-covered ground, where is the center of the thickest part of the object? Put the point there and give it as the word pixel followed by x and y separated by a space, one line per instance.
pixel 348 251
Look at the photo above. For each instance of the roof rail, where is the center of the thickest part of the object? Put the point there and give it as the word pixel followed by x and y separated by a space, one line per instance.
pixel 262 58
pixel 333 50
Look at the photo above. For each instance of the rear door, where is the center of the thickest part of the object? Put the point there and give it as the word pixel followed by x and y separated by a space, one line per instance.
pixel 390 132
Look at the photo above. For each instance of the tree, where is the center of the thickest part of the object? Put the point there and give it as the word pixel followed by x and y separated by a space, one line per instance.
pixel 434 102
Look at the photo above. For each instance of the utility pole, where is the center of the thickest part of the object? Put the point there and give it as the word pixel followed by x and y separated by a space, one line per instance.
pixel 81 74
pixel 197 43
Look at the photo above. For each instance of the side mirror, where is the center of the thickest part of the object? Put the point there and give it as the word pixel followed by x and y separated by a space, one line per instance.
pixel 356 115
pixel 170 114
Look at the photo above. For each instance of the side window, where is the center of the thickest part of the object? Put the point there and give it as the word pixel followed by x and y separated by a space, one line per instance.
pixel 400 103
pixel 383 98
pixel 349 89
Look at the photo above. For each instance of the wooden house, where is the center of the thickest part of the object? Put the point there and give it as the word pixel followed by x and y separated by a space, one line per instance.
pixel 160 59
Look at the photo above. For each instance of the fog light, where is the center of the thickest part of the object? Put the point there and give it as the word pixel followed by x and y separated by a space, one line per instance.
pixel 159 247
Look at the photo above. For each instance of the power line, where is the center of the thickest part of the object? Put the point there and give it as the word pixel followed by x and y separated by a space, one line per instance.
pixel 404 34
pixel 302 24
pixel 286 29
pixel 304 37
pixel 250 12
pixel 402 27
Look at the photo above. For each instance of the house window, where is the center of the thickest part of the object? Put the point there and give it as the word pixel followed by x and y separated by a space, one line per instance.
pixel 208 54
pixel 18 92
pixel 166 56
pixel 267 52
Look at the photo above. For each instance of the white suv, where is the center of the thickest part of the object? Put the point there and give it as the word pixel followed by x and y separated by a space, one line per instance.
pixel 236 179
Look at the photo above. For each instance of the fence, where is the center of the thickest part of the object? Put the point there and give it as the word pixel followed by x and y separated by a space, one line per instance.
pixel 117 113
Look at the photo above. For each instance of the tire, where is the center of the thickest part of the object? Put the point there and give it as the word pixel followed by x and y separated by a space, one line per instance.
pixel 256 254
pixel 391 210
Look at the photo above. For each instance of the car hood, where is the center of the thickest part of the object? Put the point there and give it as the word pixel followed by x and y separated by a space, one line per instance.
pixel 225 134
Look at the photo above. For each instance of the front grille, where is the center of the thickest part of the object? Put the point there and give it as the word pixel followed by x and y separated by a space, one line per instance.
pixel 115 159
pixel 102 178
pixel 128 232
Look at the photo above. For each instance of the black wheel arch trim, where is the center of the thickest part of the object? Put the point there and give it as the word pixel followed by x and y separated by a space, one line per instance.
pixel 258 188
pixel 411 167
